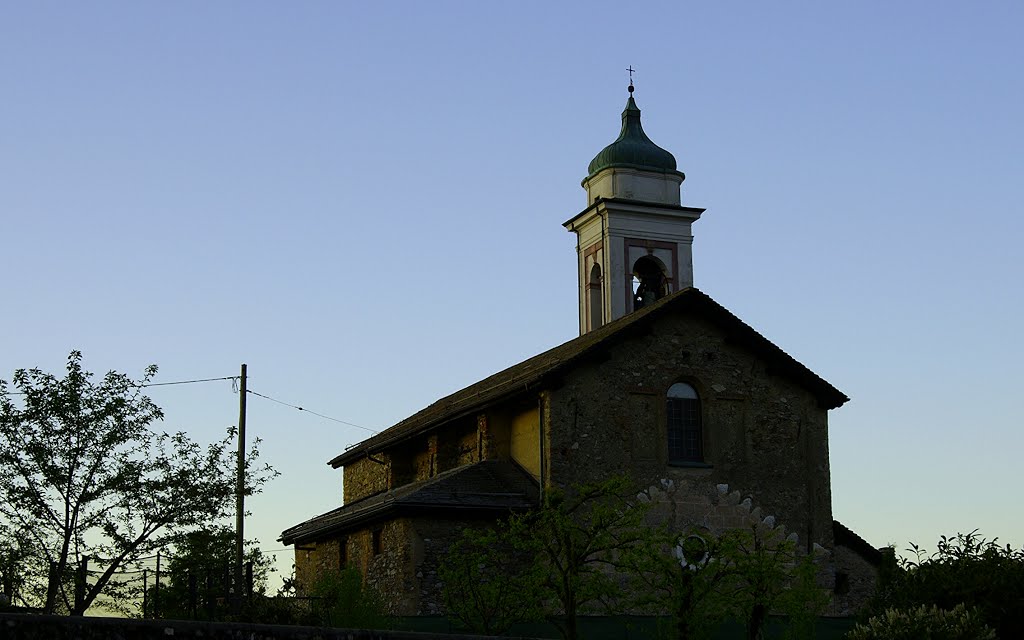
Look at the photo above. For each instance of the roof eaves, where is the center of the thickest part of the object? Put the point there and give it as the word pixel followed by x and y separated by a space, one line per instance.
pixel 366 447
pixel 847 537
pixel 312 530
pixel 417 497
pixel 784 364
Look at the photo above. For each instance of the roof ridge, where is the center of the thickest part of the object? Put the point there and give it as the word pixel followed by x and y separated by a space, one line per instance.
pixel 519 377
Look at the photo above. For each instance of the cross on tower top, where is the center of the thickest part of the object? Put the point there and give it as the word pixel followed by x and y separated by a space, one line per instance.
pixel 630 69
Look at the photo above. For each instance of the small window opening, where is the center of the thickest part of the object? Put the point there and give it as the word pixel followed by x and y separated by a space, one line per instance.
pixel 842 583
pixel 377 544
pixel 596 298
pixel 342 553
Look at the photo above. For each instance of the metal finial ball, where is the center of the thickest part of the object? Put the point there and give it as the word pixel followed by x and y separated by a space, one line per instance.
pixel 631 88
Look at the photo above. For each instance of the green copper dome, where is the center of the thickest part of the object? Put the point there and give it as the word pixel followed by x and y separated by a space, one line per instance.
pixel 633 149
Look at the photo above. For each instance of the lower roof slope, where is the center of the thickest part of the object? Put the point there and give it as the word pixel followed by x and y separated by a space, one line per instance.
pixel 846 537
pixel 488 485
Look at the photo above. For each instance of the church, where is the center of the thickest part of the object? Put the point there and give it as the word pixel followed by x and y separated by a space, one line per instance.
pixel 721 427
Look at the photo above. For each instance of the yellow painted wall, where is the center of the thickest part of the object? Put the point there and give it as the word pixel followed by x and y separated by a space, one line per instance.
pixel 526 441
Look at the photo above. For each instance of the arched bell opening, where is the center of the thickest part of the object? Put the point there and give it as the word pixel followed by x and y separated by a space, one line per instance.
pixel 650 282
pixel 596 295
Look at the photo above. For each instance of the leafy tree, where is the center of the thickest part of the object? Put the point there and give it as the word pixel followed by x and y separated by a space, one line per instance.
pixel 769 574
pixel 84 475
pixel 804 601
pixel 196 587
pixel 340 599
pixel 579 538
pixel 590 549
pixel 966 569
pixel 701 579
pixel 16 570
pixel 489 585
pixel 682 575
pixel 569 548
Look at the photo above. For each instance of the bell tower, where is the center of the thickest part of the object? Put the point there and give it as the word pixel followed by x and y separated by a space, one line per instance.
pixel 634 243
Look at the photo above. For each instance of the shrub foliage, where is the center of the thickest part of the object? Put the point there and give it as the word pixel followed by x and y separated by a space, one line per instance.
pixel 924 622
pixel 966 569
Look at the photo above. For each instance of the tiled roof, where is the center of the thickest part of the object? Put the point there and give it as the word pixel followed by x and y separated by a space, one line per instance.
pixel 845 536
pixel 490 485
pixel 531 373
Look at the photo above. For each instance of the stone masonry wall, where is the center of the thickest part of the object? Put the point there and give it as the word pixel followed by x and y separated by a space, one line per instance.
pixel 848 577
pixel 762 432
pixel 406 570
pixel 765 440
pixel 857 579
pixel 365 477
pixel 20 626
pixel 690 505
pixel 389 571
pixel 433 537
pixel 314 559
pixel 418 458
pixel 458 444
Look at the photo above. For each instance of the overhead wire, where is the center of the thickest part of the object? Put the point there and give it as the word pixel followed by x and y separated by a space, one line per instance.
pixel 159 384
pixel 234 388
pixel 234 380
pixel 320 415
pixel 165 384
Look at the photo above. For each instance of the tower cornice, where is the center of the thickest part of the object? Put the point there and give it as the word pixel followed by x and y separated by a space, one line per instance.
pixel 626 205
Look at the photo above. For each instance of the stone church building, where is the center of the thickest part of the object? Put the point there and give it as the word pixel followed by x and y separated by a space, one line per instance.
pixel 721 427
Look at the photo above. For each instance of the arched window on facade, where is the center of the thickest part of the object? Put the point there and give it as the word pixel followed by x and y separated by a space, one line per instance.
pixel 596 298
pixel 649 282
pixel 685 438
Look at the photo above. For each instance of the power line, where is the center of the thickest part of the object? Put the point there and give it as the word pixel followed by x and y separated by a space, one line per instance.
pixel 293 406
pixel 233 379
pixel 157 384
pixel 164 384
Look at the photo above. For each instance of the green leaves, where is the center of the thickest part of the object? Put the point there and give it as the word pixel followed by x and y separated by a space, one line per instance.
pixel 701 579
pixel 966 569
pixel 200 557
pixel 82 472
pixel 559 560
pixel 960 623
pixel 592 549
pixel 491 584
pixel 340 599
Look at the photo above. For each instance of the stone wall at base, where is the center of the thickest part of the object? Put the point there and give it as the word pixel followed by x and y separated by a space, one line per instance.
pixel 21 626
pixel 386 564
pixel 406 569
pixel 856 580
pixel 433 538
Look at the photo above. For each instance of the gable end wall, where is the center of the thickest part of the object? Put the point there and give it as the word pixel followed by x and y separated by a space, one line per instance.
pixel 763 435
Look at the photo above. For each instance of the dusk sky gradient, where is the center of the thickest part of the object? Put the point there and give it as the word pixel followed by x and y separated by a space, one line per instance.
pixel 363 201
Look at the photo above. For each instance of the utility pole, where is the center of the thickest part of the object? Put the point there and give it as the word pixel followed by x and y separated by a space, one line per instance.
pixel 240 499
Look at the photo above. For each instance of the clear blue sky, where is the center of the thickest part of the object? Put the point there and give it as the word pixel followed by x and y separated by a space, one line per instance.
pixel 363 202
